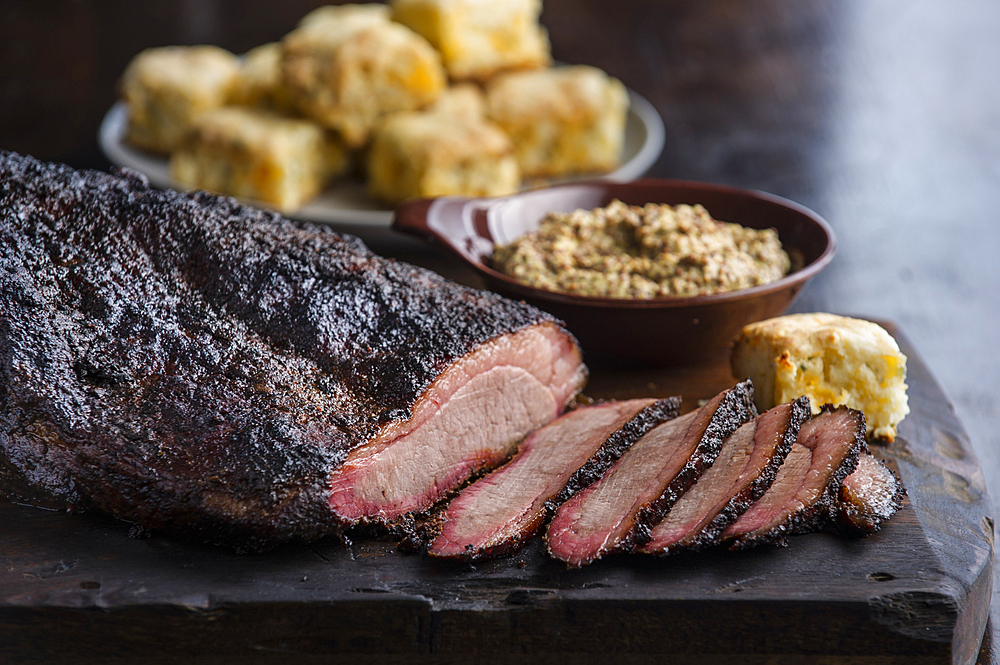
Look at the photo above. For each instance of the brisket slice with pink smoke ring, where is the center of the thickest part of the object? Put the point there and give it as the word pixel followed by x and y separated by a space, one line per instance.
pixel 868 497
pixel 803 496
pixel 500 512
pixel 616 511
pixel 472 418
pixel 745 468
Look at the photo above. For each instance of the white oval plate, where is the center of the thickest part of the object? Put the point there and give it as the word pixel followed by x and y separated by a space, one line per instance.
pixel 345 204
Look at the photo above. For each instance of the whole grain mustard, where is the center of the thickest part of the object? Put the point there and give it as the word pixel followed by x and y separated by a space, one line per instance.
pixel 650 251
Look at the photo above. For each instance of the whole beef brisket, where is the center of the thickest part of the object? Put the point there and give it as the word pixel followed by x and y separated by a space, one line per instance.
pixel 191 364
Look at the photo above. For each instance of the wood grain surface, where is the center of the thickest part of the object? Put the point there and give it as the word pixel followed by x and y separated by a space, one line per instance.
pixel 918 591
pixel 884 117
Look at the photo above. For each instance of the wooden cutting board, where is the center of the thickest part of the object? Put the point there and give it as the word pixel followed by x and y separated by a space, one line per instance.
pixel 78 588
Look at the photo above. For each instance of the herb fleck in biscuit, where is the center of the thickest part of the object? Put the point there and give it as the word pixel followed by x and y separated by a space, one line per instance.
pixel 831 359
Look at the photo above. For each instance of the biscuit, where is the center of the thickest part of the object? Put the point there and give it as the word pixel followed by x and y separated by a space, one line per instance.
pixel 479 39
pixel 258 154
pixel 561 121
pixel 450 149
pixel 348 67
pixel 831 359
pixel 258 81
pixel 167 88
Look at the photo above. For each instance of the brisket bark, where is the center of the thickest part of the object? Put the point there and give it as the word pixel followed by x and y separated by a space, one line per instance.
pixel 195 365
pixel 803 496
pixel 868 497
pixel 743 471
pixel 499 513
pixel 617 511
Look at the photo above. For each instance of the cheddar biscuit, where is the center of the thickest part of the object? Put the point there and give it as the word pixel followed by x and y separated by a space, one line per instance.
pixel 258 154
pixel 479 39
pixel 167 88
pixel 258 81
pixel 561 121
pixel 450 149
pixel 831 359
pixel 348 67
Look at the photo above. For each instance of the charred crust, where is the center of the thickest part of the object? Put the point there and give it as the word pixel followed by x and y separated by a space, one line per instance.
pixel 854 520
pixel 799 411
pixel 609 452
pixel 413 532
pixel 201 366
pixel 735 408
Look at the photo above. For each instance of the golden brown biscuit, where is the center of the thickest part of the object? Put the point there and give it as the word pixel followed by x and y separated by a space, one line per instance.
pixel 167 88
pixel 258 82
pixel 561 121
pixel 831 359
pixel 258 154
pixel 465 101
pixel 479 39
pixel 348 67
pixel 450 149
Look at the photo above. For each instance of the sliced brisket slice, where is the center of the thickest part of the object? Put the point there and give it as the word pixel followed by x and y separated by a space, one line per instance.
pixel 472 418
pixel 868 497
pixel 803 495
pixel 617 510
pixel 501 511
pixel 743 471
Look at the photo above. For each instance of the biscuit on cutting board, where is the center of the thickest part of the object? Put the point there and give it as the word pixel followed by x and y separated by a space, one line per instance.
pixel 831 359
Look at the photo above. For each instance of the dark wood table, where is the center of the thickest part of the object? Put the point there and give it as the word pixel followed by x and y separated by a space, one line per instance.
pixel 884 117
pixel 77 588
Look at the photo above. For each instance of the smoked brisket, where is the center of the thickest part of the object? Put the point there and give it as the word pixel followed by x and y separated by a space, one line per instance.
pixel 499 513
pixel 803 496
pixel 195 365
pixel 618 510
pixel 868 497
pixel 743 471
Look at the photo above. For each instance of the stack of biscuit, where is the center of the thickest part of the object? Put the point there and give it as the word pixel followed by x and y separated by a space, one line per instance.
pixel 429 97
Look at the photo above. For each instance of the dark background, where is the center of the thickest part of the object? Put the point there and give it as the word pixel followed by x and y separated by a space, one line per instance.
pixel 884 117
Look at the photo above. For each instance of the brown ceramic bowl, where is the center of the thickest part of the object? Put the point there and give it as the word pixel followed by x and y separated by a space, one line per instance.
pixel 659 330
